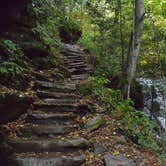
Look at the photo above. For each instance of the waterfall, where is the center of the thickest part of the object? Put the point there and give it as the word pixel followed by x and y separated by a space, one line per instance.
pixel 154 92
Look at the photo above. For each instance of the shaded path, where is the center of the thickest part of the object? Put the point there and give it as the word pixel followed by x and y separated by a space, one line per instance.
pixel 56 109
pixel 55 132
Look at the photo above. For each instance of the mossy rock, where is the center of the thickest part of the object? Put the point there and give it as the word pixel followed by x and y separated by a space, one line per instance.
pixel 95 123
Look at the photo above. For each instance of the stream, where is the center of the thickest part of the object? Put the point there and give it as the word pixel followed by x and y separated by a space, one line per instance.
pixel 154 92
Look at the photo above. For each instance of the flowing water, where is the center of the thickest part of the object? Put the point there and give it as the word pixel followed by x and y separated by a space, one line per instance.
pixel 154 91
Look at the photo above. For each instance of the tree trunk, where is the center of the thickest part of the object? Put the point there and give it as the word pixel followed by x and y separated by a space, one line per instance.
pixel 121 36
pixel 134 45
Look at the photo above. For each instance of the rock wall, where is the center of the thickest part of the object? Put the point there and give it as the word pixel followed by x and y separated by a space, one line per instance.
pixel 15 14
pixel 17 20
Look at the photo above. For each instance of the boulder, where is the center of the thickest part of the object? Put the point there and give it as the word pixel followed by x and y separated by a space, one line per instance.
pixel 99 148
pixel 16 13
pixel 95 123
pixel 56 161
pixel 119 160
pixel 120 140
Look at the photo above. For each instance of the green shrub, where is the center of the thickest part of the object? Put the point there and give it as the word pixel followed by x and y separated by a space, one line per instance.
pixel 9 45
pixel 133 121
pixel 10 68
pixel 47 24
pixel 14 61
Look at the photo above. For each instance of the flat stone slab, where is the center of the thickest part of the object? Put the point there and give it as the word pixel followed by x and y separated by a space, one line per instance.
pixel 99 148
pixel 119 160
pixel 77 67
pixel 50 94
pixel 70 57
pixel 68 61
pixel 58 161
pixel 45 130
pixel 81 108
pixel 43 103
pixel 51 118
pixel 95 123
pixel 55 86
pixel 57 101
pixel 53 145
pixel 79 76
pixel 76 63
pixel 72 53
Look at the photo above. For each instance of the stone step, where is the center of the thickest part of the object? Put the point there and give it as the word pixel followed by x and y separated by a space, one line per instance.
pixel 76 64
pixel 52 104
pixel 50 161
pixel 52 101
pixel 71 48
pixel 41 76
pixel 62 108
pixel 51 145
pixel 79 77
pixel 77 67
pixel 44 130
pixel 55 86
pixel 72 52
pixel 65 118
pixel 65 46
pixel 75 57
pixel 79 71
pixel 70 61
pixel 49 94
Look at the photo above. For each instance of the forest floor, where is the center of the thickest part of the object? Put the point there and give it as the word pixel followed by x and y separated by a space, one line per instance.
pixel 112 141
pixel 104 140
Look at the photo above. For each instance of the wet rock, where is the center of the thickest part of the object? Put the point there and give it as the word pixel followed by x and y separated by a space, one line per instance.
pixel 45 130
pixel 56 87
pixel 154 107
pixel 46 145
pixel 57 161
pixel 137 95
pixel 99 148
pixel 120 140
pixel 95 123
pixel 119 160
pixel 16 13
pixel 55 95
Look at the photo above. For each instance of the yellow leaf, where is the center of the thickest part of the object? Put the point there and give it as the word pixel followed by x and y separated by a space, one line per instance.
pixel 115 153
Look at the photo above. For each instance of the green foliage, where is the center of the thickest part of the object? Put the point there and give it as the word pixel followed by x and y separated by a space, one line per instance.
pixel 10 68
pixel 9 45
pixel 69 22
pixel 134 122
pixel 47 22
pixel 14 62
pixel 88 41
pixel 106 33
pixel 138 126
pixel 163 157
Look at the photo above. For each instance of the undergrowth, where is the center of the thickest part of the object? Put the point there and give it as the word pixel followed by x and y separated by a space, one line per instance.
pixel 14 66
pixel 13 62
pixel 135 124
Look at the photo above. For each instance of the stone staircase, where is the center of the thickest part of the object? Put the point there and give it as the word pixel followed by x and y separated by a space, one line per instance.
pixel 43 138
